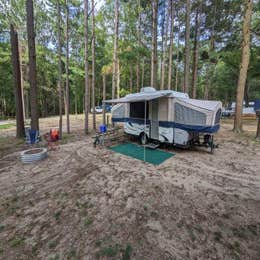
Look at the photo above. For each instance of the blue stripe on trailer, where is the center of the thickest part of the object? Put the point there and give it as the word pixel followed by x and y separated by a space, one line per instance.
pixel 167 124
pixel 191 128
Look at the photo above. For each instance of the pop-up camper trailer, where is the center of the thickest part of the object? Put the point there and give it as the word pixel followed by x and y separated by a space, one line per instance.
pixel 169 116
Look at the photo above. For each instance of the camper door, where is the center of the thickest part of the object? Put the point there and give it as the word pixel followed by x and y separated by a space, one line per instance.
pixel 154 130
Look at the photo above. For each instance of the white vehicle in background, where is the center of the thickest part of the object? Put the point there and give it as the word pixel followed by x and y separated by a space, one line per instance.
pixel 230 111
pixel 168 116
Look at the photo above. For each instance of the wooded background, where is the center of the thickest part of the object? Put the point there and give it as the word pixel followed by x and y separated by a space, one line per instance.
pixel 191 46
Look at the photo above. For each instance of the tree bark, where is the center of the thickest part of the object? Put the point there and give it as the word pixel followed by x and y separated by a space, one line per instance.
pixel 104 98
pixel 196 51
pixel 59 70
pixel 137 76
pixel 76 104
pixel 258 126
pixel 165 41
pixel 32 65
pixel 142 80
pixel 211 66
pixel 171 46
pixel 86 123
pixel 118 79
pixel 177 57
pixel 22 83
pixel 115 53
pixel 243 66
pixel 139 44
pixel 93 65
pixel 131 79
pixel 19 112
pixel 154 44
pixel 187 48
pixel 162 42
pixel 67 70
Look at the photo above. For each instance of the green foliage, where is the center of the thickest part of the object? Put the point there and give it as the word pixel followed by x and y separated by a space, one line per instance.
pixel 218 66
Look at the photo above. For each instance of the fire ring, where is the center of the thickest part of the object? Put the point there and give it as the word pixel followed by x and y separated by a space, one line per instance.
pixel 33 155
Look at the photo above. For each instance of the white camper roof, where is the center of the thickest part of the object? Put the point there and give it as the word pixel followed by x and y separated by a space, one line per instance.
pixel 205 104
pixel 146 94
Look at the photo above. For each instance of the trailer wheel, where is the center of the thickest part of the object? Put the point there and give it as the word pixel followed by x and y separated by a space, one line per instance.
pixel 143 138
pixel 211 144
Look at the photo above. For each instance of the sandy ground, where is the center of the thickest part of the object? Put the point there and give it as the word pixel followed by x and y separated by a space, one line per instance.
pixel 86 203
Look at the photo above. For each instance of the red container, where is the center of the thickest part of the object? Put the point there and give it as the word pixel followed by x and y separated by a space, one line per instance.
pixel 54 134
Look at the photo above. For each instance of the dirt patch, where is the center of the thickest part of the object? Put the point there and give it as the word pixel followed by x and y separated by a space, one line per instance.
pixel 86 203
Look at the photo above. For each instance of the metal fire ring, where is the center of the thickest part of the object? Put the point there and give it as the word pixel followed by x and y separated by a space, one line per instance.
pixel 33 155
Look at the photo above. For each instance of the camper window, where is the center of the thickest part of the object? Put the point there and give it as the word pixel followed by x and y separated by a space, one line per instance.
pixel 189 116
pixel 137 110
pixel 218 116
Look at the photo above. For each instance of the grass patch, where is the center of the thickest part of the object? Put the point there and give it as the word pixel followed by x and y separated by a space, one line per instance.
pixel 2 227
pixel 52 244
pixel 108 251
pixel 217 236
pixel 72 254
pixel 57 215
pixel 55 257
pixel 88 221
pixel 11 204
pixel 127 252
pixel 6 126
pixel 98 243
pixel 17 242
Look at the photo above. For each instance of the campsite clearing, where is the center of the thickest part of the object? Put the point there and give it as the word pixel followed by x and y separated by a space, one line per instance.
pixel 87 203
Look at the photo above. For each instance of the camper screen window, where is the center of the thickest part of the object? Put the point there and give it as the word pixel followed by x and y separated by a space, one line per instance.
pixel 137 110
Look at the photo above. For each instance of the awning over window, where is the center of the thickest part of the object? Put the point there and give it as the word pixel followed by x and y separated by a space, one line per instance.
pixel 139 97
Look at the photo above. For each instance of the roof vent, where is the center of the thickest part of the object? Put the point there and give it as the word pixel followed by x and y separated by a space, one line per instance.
pixel 147 90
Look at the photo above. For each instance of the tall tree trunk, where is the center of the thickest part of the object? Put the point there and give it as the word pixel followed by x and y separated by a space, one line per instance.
pixel 93 65
pixel 162 42
pixel 142 80
pixel 246 94
pixel 27 107
pixel 187 48
pixel 22 83
pixel 243 66
pixel 196 51
pixel 154 44
pixel 131 79
pixel 32 65
pixel 59 69
pixel 86 126
pixel 177 58
pixel 76 104
pixel 19 112
pixel 211 66
pixel 115 53
pixel 206 89
pixel 258 128
pixel 118 79
pixel 139 44
pixel 137 76
pixel 165 41
pixel 104 98
pixel 171 45
pixel 67 70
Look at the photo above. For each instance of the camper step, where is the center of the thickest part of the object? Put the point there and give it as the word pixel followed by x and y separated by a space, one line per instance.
pixel 152 146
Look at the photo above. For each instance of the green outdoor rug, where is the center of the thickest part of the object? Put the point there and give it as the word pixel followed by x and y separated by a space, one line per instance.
pixel 152 156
